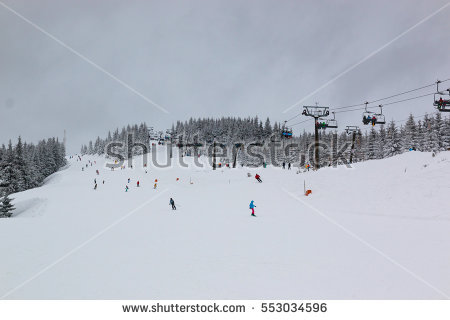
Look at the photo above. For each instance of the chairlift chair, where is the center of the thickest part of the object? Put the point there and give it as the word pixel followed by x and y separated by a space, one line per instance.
pixel 380 119
pixel 286 133
pixel 442 105
pixel 332 123
pixel 367 115
pixel 372 117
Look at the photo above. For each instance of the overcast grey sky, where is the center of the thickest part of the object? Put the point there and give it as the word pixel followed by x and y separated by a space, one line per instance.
pixel 208 58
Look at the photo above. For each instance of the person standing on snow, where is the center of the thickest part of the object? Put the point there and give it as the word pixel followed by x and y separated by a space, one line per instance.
pixel 126 188
pixel 252 206
pixel 172 203
pixel 137 184
pixel 289 166
pixel 257 177
pixel 284 165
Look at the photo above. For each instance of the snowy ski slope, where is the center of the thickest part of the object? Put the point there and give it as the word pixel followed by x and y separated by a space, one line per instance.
pixel 379 230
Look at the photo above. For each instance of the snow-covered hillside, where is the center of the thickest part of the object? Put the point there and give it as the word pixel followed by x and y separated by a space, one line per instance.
pixel 379 230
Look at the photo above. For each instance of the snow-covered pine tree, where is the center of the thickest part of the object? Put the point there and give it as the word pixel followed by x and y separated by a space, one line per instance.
pixel 381 142
pixel 21 167
pixel 34 165
pixel 446 134
pixel 393 141
pixel 431 142
pixel 8 173
pixel 438 130
pixel 6 207
pixel 267 128
pixel 410 134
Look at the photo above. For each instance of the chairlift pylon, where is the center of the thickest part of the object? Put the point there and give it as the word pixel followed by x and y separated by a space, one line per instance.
pixel 351 129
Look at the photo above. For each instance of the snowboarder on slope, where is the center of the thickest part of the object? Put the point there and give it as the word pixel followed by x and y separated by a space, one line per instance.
pixel 172 203
pixel 257 177
pixel 252 206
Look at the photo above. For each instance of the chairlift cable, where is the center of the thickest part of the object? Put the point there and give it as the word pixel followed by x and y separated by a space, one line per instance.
pixel 293 117
pixel 392 96
pixel 389 103
pixel 300 122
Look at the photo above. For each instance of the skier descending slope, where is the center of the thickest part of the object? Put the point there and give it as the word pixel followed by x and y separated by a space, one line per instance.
pixel 257 177
pixel 172 203
pixel 252 206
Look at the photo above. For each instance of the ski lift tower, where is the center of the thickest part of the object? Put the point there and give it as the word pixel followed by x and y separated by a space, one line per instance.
pixel 353 130
pixel 316 112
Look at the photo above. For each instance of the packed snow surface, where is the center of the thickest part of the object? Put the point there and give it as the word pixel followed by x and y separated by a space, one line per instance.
pixel 379 230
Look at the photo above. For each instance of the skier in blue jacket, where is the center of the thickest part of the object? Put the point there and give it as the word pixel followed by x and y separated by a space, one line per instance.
pixel 252 206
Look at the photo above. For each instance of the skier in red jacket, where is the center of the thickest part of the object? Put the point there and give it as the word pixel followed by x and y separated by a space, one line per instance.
pixel 257 177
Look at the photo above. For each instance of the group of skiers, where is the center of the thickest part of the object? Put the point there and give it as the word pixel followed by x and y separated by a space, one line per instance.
pixel 284 165
pixel 252 205
pixel 442 103
pixel 95 183
pixel 370 119
pixel 138 184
